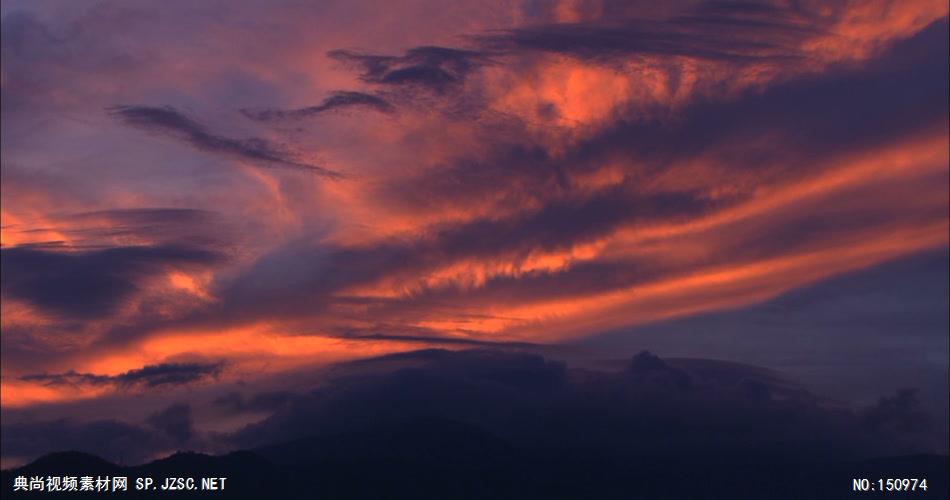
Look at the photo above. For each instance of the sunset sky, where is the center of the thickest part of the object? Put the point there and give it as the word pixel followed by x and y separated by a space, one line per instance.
pixel 219 198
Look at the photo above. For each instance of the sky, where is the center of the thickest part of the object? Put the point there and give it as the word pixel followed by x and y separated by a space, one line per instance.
pixel 209 207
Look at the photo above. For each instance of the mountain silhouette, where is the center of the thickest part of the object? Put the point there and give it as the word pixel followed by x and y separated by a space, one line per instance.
pixel 418 440
pixel 438 458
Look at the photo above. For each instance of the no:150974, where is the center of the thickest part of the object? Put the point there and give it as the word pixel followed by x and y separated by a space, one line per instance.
pixel 889 485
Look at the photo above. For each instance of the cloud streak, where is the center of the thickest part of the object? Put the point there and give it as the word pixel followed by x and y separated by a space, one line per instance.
pixel 165 374
pixel 169 121
pixel 341 99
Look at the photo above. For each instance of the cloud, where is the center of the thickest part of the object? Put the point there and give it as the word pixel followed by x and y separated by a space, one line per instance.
pixel 692 37
pixel 168 121
pixel 341 99
pixel 89 283
pixel 149 376
pixel 898 413
pixel 93 229
pixel 646 406
pixel 777 38
pixel 587 165
pixel 175 421
pixel 652 405
pixel 305 274
pixel 794 124
pixel 431 67
pixel 563 222
pixel 270 401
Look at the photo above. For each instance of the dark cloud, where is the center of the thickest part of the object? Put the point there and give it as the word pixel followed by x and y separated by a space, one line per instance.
pixel 562 223
pixel 169 373
pixel 341 99
pixel 905 299
pixel 167 120
pixel 174 421
pixel 734 32
pixel 899 413
pixel 235 402
pixel 435 68
pixel 93 283
pixel 182 226
pixel 651 405
pixel 163 374
pixel 670 38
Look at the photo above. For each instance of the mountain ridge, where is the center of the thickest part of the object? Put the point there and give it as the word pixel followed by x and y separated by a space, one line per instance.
pixel 431 457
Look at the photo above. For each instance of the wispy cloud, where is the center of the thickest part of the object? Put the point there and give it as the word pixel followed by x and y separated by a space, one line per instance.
pixel 340 99
pixel 169 121
pixel 164 374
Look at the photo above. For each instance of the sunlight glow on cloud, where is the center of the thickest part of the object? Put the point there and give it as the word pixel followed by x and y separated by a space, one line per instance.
pixel 521 174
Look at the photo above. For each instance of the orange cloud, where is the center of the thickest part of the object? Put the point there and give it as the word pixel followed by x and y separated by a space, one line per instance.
pixel 493 148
